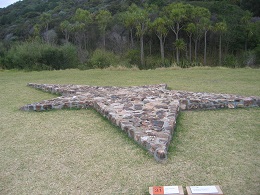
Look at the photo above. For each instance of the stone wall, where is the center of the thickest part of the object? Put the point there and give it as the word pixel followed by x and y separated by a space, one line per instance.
pixel 146 113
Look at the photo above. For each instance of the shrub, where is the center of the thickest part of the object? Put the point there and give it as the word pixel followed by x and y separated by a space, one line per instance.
pixel 40 56
pixel 248 59
pixel 70 56
pixel 133 56
pixel 188 64
pixel 230 61
pixel 103 59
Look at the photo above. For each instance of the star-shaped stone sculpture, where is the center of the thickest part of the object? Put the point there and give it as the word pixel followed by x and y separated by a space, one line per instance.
pixel 146 113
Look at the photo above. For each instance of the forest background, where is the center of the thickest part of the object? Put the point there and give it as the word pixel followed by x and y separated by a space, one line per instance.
pixel 148 34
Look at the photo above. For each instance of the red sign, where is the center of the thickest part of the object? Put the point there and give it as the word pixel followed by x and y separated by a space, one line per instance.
pixel 158 190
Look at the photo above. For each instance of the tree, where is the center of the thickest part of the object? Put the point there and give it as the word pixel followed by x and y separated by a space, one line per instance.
pixel 200 18
pixel 82 18
pixel 45 20
pixel 103 18
pixel 36 31
pixel 129 22
pixel 205 24
pixel 66 28
pixel 140 16
pixel 220 27
pixel 231 14
pixel 190 29
pixel 142 21
pixel 180 44
pixel 246 22
pixel 50 36
pixel 159 25
pixel 177 14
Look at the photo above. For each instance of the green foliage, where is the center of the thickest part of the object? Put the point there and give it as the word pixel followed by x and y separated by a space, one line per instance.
pixel 249 59
pixel 40 56
pixel 180 44
pixel 153 62
pixel 230 61
pixel 133 56
pixel 159 25
pixel 188 64
pixel 103 18
pixel 103 59
pixel 134 22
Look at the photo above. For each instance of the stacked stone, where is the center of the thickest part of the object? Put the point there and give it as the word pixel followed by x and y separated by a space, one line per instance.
pixel 146 113
pixel 191 100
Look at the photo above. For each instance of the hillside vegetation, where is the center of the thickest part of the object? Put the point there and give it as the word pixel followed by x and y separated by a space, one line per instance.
pixel 143 33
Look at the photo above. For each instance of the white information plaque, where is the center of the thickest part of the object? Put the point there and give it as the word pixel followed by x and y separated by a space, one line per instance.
pixel 171 189
pixel 203 189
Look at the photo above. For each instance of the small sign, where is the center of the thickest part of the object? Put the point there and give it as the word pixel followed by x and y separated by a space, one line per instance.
pixel 158 190
pixel 203 189
pixel 165 190
pixel 171 189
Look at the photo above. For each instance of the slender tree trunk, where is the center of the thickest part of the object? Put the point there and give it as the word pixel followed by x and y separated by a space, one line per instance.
pixel 131 37
pixel 186 51
pixel 66 36
pixel 220 50
pixel 177 55
pixel 104 40
pixel 195 48
pixel 177 49
pixel 190 48
pixel 162 48
pixel 142 49
pixel 205 48
pixel 176 32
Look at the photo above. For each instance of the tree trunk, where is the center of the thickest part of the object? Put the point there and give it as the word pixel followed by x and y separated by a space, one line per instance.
pixel 190 48
pixel 220 50
pixel 162 48
pixel 177 49
pixel 205 48
pixel 142 49
pixel 177 55
pixel 104 40
pixel 66 36
pixel 195 48
pixel 131 37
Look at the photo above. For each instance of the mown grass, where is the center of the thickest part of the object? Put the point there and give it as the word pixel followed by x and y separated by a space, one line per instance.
pixel 79 152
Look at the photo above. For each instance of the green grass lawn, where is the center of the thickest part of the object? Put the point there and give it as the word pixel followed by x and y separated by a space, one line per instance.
pixel 80 152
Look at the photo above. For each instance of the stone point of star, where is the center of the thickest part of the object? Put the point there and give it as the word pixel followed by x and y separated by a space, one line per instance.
pixel 146 113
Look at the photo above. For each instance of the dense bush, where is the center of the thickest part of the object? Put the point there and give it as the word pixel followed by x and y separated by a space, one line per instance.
pixel 102 59
pixel 152 62
pixel 248 59
pixel 188 64
pixel 40 56
pixel 230 61
pixel 133 56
